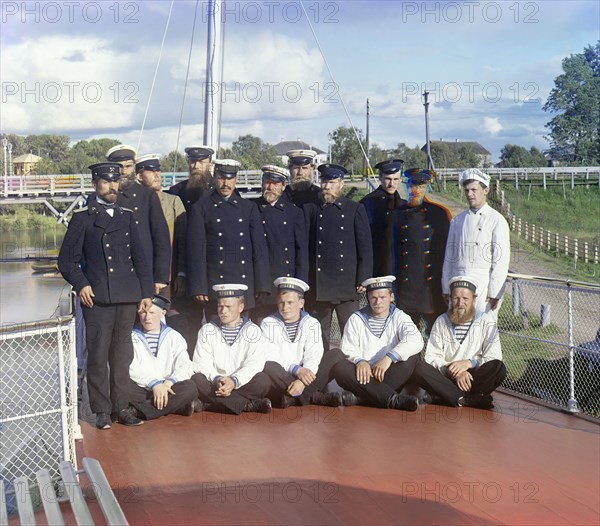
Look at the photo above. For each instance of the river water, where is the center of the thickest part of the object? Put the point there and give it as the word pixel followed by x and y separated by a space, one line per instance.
pixel 25 296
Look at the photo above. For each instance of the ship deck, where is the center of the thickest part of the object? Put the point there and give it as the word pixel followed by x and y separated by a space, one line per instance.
pixel 520 463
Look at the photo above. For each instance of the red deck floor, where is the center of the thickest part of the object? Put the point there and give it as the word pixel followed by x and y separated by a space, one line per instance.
pixel 519 464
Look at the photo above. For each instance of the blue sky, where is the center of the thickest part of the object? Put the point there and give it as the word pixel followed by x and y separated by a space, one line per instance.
pixel 85 69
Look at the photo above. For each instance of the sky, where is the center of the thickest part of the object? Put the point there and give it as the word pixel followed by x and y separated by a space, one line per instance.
pixel 292 69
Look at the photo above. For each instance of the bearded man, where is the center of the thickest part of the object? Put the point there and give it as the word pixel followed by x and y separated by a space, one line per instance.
pixel 463 358
pixel 302 189
pixel 200 181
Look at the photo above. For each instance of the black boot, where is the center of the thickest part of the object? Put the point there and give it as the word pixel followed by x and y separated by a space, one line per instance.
pixel 128 417
pixel 328 399
pixel 477 401
pixel 260 405
pixel 403 402
pixel 349 399
pixel 103 421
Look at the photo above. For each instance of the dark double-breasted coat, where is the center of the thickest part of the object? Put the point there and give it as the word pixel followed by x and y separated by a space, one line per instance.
pixel 106 253
pixel 152 226
pixel 188 196
pixel 287 240
pixel 379 206
pixel 417 247
pixel 226 244
pixel 340 249
pixel 303 197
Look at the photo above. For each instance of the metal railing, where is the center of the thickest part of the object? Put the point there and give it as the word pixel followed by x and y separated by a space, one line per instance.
pixel 38 413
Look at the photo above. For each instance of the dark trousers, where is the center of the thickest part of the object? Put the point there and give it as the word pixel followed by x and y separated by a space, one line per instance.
pixel 260 312
pixel 237 401
pixel 281 379
pixel 374 392
pixel 188 321
pixel 420 319
pixel 323 311
pixel 142 399
pixel 486 378
pixel 110 352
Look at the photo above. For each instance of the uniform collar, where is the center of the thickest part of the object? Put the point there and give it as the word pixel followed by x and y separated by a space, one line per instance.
pixel 233 200
pixel 483 210
pixel 339 202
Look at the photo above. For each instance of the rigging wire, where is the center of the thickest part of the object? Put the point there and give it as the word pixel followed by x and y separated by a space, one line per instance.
pixel 187 75
pixel 339 91
pixel 162 45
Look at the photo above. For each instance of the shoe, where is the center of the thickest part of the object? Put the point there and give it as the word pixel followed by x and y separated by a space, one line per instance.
pixel 288 401
pixel 186 410
pixel 328 399
pixel 198 405
pixel 260 405
pixel 477 401
pixel 403 402
pixel 127 417
pixel 349 399
pixel 103 421
pixel 433 399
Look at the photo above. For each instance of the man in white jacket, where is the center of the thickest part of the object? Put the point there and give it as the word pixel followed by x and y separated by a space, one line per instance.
pixel 463 359
pixel 478 244
pixel 161 368
pixel 296 365
pixel 229 358
pixel 382 346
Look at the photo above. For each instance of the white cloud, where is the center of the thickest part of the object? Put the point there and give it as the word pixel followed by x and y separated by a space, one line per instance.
pixel 492 125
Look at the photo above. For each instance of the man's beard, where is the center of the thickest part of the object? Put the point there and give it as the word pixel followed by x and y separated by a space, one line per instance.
pixel 271 197
pixel 328 197
pixel 199 180
pixel 459 316
pixel 126 182
pixel 301 184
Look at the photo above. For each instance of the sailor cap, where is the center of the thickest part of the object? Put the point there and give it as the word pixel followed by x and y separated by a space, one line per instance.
pixel 331 171
pixel 230 290
pixel 197 153
pixel 227 168
pixel 382 282
pixel 107 171
pixel 275 173
pixel 474 174
pixel 288 283
pixel 301 157
pixel 391 166
pixel 121 152
pixel 463 282
pixel 160 301
pixel 418 176
pixel 150 161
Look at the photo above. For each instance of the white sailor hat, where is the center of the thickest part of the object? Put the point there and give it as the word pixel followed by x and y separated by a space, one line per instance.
pixel 197 153
pixel 150 161
pixel 463 282
pixel 383 282
pixel 474 174
pixel 121 152
pixel 227 168
pixel 301 157
pixel 288 283
pixel 275 173
pixel 230 290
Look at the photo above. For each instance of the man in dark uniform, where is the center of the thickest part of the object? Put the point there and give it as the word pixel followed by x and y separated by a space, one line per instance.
pixel 286 236
pixel 379 205
pixel 418 244
pixel 102 257
pixel 147 214
pixel 302 189
pixel 200 181
pixel 226 241
pixel 340 251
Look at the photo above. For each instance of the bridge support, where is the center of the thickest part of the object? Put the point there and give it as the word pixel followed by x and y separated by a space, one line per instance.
pixel 61 217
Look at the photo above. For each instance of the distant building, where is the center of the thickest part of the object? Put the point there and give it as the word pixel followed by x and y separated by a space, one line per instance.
pixel 285 146
pixel 25 164
pixel 485 157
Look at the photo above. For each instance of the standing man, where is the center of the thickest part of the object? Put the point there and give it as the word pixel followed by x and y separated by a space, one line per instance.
pixel 302 189
pixel 382 347
pixel 147 214
pixel 161 368
pixel 379 204
pixel 419 231
pixel 200 181
pixel 286 236
pixel 102 257
pixel 229 358
pixel 340 250
pixel 463 359
pixel 478 244
pixel 226 241
pixel 296 365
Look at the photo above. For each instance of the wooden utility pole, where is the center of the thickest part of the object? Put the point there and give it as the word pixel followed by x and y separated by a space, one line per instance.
pixel 430 165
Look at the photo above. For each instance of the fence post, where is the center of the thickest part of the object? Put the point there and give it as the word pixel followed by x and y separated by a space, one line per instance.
pixel 567 246
pixel 572 181
pixel 515 297
pixel 519 227
pixel 541 238
pixel 544 179
pixel 548 240
pixel 572 405
pixel 576 252
pixel 526 231
pixel 533 234
pixel 586 252
pixel 516 180
pixel 557 239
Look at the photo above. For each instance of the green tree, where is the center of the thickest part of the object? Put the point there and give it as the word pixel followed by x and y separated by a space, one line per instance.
pixel 174 161
pixel 575 130
pixel 345 149
pixel 55 147
pixel 413 157
pixel 18 144
pixel 514 156
pixel 251 152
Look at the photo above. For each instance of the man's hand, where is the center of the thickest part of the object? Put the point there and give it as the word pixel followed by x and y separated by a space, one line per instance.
pixel 261 294
pixel 145 305
pixel 306 376
pixel 85 295
pixel 363 372
pixel 459 367
pixel 179 286
pixel 381 367
pixel 201 298
pixel 158 287
pixel 464 381
pixel 296 388
pixel 224 386
pixel 161 394
pixel 360 289
pixel 493 303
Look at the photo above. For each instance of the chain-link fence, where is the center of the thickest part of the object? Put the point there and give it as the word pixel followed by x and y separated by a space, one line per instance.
pixel 38 413
pixel 549 330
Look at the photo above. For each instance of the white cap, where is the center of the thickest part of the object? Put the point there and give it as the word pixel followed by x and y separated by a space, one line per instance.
pixel 227 168
pixel 230 290
pixel 301 157
pixel 464 282
pixel 383 282
pixel 474 174
pixel 150 161
pixel 288 283
pixel 121 152
pixel 275 173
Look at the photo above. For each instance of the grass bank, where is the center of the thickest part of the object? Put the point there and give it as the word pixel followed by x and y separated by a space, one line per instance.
pixel 25 218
